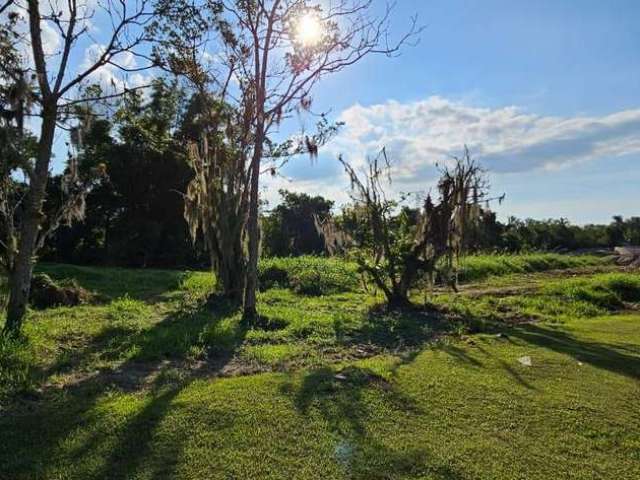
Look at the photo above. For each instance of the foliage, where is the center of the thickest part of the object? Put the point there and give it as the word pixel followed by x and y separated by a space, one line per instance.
pixel 134 216
pixel 529 234
pixel 309 275
pixel 397 251
pixel 289 228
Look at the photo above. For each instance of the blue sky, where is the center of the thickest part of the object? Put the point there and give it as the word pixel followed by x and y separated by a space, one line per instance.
pixel 546 94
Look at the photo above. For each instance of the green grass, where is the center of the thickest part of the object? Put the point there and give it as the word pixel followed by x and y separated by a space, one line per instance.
pixel 309 275
pixel 479 267
pixel 555 300
pixel 135 387
pixel 111 283
pixel 454 411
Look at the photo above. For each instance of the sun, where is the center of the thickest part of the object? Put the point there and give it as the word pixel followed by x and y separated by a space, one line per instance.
pixel 308 30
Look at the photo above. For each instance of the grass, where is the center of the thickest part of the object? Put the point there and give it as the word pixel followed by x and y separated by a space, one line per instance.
pixel 155 381
pixel 455 411
pixel 480 267
pixel 555 301
pixel 309 275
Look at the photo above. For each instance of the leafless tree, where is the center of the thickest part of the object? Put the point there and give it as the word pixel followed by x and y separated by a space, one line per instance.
pixel 51 84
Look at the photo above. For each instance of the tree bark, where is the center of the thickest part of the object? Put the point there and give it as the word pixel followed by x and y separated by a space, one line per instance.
pixel 22 271
pixel 253 227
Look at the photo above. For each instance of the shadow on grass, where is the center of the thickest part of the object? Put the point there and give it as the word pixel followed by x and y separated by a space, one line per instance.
pixel 33 435
pixel 601 355
pixel 349 402
pixel 111 283
pixel 507 368
pixel 414 327
pixel 407 327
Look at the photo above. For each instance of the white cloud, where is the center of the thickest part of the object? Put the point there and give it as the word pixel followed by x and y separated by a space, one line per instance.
pixel 419 134
pixel 110 77
pixel 51 41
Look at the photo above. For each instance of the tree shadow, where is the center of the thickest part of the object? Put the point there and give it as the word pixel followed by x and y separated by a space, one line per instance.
pixel 606 356
pixel 109 283
pixel 507 368
pixel 343 402
pixel 37 429
pixel 459 354
pixel 170 338
pixel 395 329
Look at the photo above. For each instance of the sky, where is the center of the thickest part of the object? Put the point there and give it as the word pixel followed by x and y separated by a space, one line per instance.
pixel 545 93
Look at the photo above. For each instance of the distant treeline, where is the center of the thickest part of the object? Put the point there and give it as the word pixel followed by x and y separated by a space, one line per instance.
pixel 134 216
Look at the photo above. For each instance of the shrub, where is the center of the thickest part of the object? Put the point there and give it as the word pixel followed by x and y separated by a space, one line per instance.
pixel 309 275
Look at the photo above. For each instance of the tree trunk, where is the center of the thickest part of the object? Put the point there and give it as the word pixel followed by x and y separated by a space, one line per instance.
pixel 20 275
pixel 230 274
pixel 253 227
pixel 398 300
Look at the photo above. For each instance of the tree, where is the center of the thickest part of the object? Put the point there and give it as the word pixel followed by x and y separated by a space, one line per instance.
pixel 216 198
pixel 397 250
pixel 50 86
pixel 289 228
pixel 275 51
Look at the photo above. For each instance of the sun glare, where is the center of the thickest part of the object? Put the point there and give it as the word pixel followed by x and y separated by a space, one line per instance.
pixel 308 30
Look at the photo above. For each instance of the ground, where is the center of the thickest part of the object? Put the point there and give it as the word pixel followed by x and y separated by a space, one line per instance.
pixel 152 380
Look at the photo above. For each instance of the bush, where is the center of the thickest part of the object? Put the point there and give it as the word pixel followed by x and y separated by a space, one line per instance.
pixel 309 275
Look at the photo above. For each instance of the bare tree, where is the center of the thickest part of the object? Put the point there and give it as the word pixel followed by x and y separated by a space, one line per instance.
pixel 269 55
pixel 52 86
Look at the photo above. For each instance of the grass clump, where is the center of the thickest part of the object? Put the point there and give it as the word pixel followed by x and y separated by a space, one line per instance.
pixel 309 275
pixel 197 285
pixel 273 355
pixel 16 365
pixel 127 313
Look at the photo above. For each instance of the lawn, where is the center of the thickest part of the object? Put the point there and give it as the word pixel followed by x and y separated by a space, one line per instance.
pixel 154 381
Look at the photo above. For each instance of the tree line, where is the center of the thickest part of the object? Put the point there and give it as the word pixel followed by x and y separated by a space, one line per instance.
pixel 135 214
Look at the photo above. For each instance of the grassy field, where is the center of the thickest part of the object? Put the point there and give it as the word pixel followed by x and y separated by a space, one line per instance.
pixel 154 381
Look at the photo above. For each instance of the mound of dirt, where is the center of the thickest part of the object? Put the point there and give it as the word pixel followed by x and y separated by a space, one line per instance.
pixel 46 293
